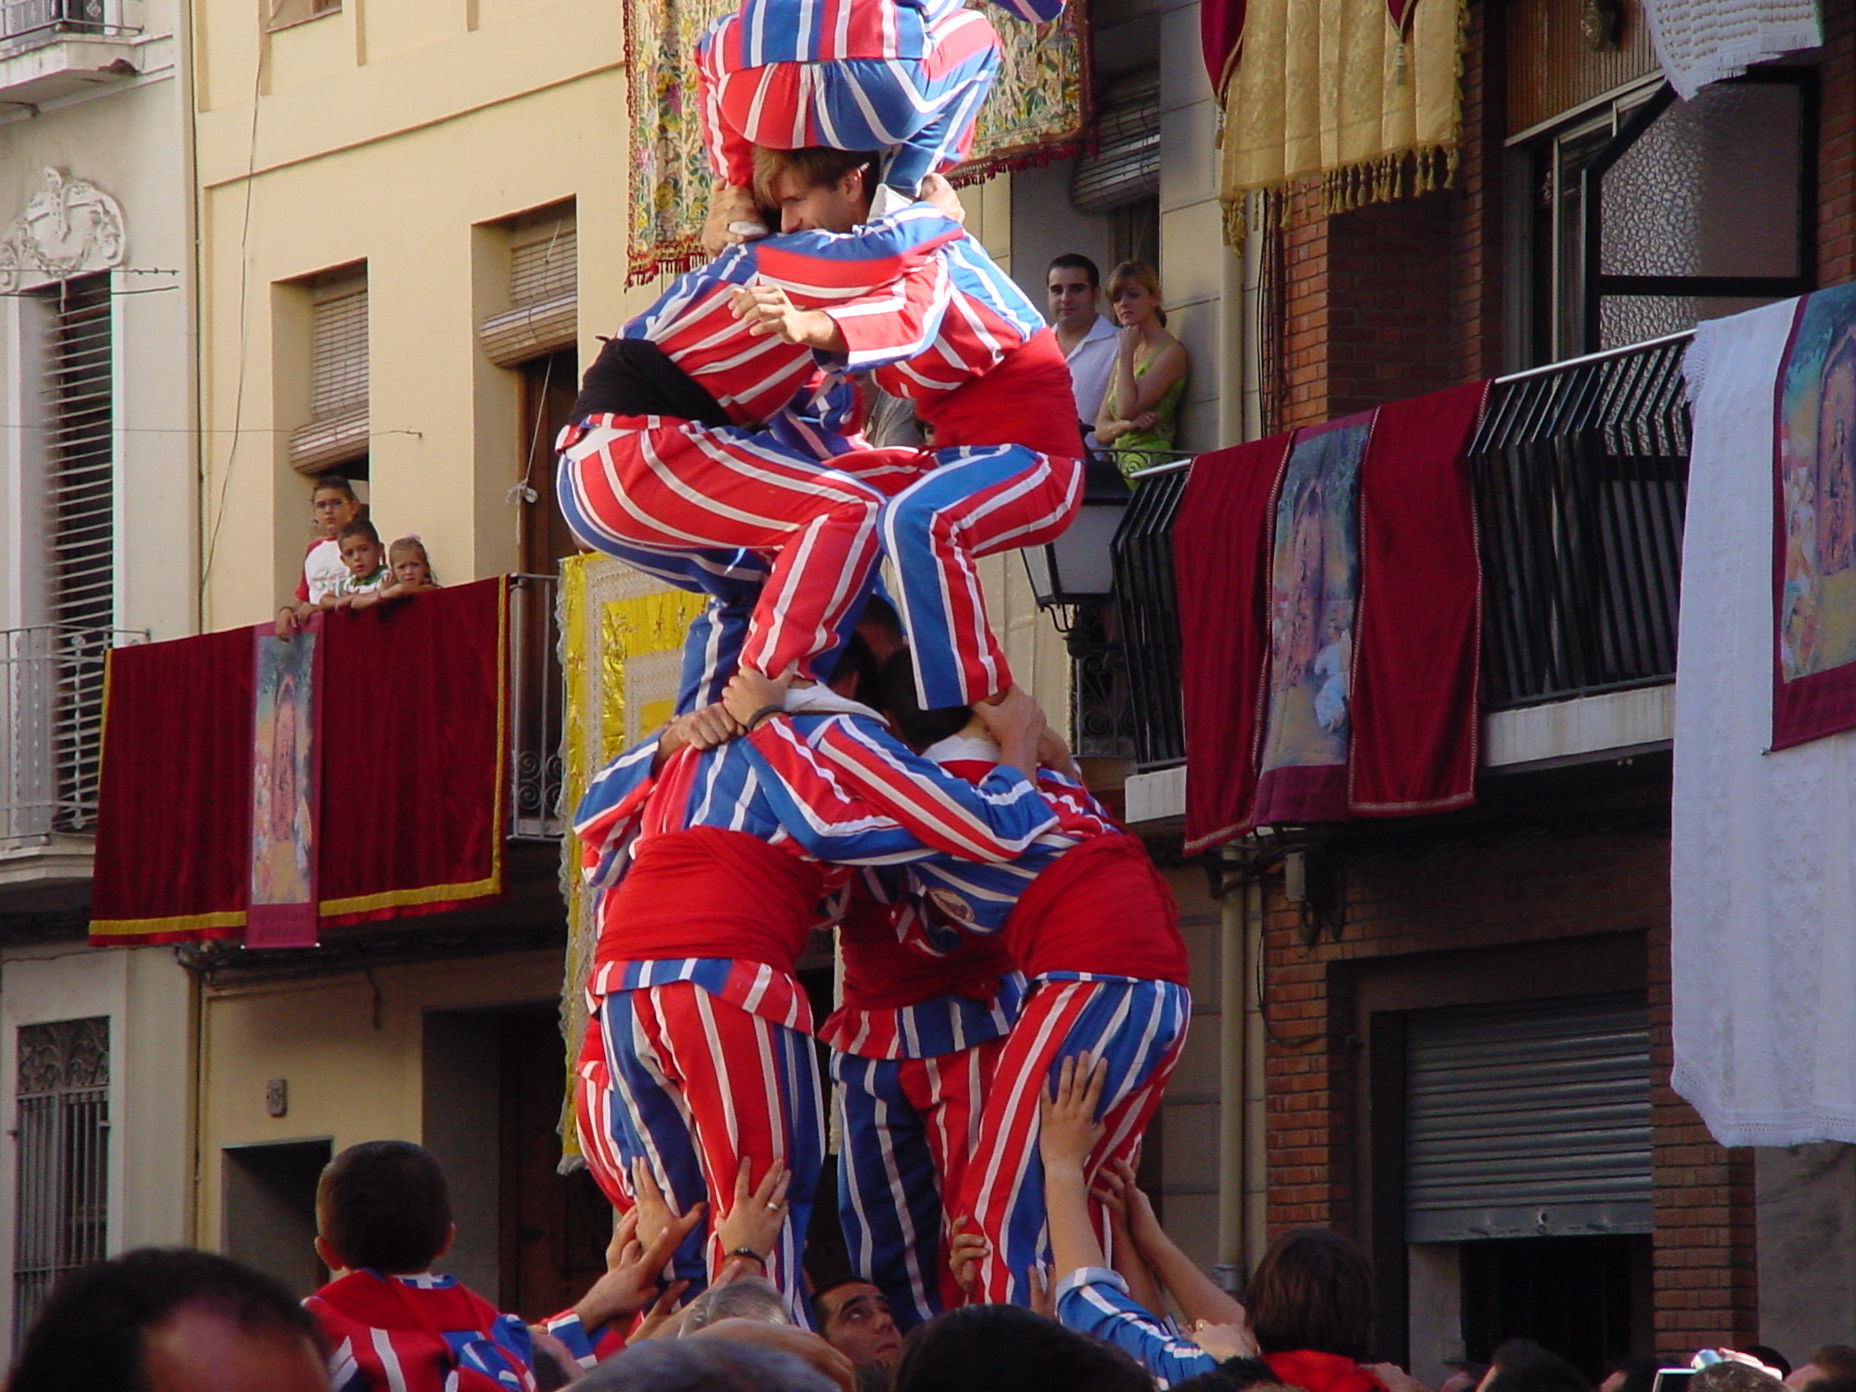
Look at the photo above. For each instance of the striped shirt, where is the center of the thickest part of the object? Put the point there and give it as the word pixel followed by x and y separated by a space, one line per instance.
pixel 964 315
pixel 822 31
pixel 423 1333
pixel 753 378
pixel 1094 1300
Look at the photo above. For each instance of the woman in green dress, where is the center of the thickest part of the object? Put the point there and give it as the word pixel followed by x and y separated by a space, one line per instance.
pixel 1140 409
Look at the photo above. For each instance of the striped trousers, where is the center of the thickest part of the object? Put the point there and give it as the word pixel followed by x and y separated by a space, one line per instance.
pixel 659 484
pixel 1139 1028
pixel 978 501
pixel 694 1084
pixel 922 110
pixel 908 1127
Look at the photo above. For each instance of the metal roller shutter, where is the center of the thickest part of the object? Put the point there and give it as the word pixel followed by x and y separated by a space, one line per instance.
pixel 1528 1121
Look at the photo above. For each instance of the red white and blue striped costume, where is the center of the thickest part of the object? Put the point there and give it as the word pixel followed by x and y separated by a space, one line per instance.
pixel 913 1044
pixel 1087 918
pixel 660 484
pixel 423 1333
pixel 851 74
pixel 987 375
pixel 698 1052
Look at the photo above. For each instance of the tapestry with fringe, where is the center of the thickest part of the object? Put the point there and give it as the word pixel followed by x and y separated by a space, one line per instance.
pixel 1359 100
pixel 621 653
pixel 1037 111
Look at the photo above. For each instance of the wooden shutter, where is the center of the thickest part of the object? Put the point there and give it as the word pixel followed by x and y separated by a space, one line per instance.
pixel 544 307
pixel 1126 165
pixel 338 370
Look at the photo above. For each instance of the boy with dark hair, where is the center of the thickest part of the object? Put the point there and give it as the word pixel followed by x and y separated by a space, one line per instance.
pixel 366 562
pixel 383 1217
pixel 332 506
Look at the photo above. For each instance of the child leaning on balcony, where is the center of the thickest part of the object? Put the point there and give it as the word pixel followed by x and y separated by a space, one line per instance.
pixel 332 506
pixel 366 561
pixel 410 570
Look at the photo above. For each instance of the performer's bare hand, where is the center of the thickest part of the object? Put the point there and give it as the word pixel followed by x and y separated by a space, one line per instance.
pixel 709 726
pixel 733 218
pixel 653 1210
pixel 966 1249
pixel 939 193
pixel 633 1281
pixel 1013 719
pixel 1067 1125
pixel 665 1320
pixel 1224 1341
pixel 1053 753
pixel 1043 1289
pixel 767 310
pixel 749 692
pixel 755 1218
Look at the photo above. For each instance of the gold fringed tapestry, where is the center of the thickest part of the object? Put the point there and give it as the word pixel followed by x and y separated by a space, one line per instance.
pixel 1037 111
pixel 621 654
pixel 1354 99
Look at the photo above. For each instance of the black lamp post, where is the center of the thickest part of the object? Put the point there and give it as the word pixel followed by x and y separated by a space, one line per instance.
pixel 1079 566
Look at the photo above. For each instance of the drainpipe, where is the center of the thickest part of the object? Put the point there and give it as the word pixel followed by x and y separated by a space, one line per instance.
pixel 1240 1074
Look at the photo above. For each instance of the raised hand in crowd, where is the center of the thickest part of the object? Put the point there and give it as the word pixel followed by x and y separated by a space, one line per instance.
pixel 1043 1290
pixel 1114 1188
pixel 1199 1298
pixel 750 1230
pixel 966 1249
pixel 1067 1131
pixel 634 1274
pixel 653 1211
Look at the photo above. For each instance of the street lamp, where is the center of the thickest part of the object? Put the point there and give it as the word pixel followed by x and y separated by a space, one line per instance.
pixel 1079 566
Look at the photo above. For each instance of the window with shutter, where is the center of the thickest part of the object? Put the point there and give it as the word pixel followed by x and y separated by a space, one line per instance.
pixel 544 309
pixel 1125 168
pixel 337 431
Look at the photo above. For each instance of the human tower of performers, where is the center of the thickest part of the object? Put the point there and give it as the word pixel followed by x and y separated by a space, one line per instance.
pixel 837 757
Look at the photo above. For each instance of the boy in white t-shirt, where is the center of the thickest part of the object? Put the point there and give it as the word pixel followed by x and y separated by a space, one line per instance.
pixel 332 505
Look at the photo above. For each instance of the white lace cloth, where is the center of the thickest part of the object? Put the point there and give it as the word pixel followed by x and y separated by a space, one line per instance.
pixel 1763 854
pixel 1703 41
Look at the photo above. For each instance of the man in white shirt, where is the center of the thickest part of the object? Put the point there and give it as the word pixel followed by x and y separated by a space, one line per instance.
pixel 1087 339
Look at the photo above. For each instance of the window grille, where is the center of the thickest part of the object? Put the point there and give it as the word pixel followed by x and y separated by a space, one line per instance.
pixel 338 377
pixel 77 386
pixel 61 1137
pixel 544 309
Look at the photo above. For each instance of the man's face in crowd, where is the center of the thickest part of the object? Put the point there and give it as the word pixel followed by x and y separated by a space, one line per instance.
pixel 1072 298
pixel 197 1349
pixel 835 207
pixel 858 1324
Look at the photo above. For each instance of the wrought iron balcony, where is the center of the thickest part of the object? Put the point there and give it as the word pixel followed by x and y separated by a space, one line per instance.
pixel 535 708
pixel 51 706
pixel 57 48
pixel 1580 471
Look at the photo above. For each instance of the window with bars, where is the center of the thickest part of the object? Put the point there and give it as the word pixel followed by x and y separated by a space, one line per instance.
pixel 337 431
pixel 61 1135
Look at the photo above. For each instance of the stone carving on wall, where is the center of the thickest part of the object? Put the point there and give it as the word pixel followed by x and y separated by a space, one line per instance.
pixel 70 227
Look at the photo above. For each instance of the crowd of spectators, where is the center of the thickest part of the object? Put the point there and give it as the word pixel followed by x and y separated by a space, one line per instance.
pixel 178 1320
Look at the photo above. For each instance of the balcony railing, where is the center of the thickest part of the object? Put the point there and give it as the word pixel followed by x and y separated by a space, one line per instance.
pixel 24 19
pixel 535 709
pixel 1580 471
pixel 51 706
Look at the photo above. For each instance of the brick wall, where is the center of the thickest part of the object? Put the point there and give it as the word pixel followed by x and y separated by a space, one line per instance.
pixel 1836 176
pixel 1425 905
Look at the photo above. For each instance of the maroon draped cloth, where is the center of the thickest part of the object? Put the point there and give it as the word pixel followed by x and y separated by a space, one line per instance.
pixel 411 755
pixel 173 861
pixel 1417 667
pixel 1221 28
pixel 1221 557
pixel 1268 604
pixel 413 712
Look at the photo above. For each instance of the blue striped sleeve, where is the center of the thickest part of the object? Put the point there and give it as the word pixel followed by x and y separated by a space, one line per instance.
pixel 1094 1300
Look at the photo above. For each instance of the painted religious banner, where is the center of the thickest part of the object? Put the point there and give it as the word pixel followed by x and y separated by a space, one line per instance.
pixel 282 911
pixel 1314 590
pixel 1814 530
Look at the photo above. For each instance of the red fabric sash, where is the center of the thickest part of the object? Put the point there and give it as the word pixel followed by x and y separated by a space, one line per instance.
pixel 1321 1372
pixel 1027 399
pixel 706 892
pixel 1417 668
pixel 1221 558
pixel 1101 908
pixel 883 973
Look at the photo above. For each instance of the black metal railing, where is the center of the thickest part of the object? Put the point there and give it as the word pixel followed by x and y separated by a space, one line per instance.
pixel 535 709
pixel 1147 611
pixel 1581 476
pixel 1580 471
